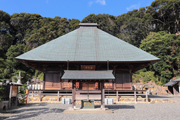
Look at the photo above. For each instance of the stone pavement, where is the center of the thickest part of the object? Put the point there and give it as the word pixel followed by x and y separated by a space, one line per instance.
pixel 54 111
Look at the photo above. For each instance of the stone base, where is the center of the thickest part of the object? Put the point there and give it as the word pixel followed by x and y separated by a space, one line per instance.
pixel 4 105
pixel 96 110
pixel 121 100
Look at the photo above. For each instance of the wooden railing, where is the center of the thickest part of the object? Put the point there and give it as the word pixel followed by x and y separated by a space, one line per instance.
pixel 116 93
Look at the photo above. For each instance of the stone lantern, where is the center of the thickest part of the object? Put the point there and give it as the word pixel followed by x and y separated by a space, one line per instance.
pixel 19 78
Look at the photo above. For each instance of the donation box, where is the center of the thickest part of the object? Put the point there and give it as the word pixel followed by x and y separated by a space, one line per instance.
pixel 87 104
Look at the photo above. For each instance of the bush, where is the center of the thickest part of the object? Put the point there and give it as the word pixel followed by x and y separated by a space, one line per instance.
pixel 144 76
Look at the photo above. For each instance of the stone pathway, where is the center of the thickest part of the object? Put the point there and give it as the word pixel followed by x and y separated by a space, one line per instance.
pixel 54 111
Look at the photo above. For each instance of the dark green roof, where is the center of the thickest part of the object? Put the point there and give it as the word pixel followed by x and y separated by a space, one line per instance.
pixel 90 75
pixel 87 43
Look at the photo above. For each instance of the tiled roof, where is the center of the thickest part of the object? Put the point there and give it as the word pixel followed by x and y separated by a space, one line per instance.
pixel 91 75
pixel 87 44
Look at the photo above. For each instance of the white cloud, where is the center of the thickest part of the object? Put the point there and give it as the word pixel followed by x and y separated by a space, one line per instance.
pixel 135 6
pixel 90 3
pixel 102 2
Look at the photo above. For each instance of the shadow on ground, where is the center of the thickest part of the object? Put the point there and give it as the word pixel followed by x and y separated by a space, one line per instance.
pixel 116 107
pixel 23 113
pixel 3 118
pixel 156 96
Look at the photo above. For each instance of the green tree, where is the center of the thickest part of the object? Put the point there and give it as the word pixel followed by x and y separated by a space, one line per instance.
pixel 144 76
pixel 14 66
pixel 5 36
pixel 165 15
pixel 73 24
pixel 105 22
pixel 23 22
pixel 50 29
pixel 167 48
pixel 134 26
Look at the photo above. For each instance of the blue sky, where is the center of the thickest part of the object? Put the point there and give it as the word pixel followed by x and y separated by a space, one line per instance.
pixel 77 9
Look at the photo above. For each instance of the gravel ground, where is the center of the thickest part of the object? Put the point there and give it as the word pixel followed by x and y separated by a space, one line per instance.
pixel 53 111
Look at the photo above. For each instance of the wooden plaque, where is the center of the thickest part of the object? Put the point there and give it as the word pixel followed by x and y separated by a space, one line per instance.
pixel 88 67
pixel 14 91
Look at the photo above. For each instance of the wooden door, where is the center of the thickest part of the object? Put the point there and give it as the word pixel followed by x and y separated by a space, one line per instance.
pixel 127 82
pixel 119 81
pixel 56 80
pixel 88 85
pixel 52 80
pixel 123 82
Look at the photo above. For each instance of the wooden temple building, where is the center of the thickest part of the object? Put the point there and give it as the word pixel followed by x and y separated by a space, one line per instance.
pixel 88 63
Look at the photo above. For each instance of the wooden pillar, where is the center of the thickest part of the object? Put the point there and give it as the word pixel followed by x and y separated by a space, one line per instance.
pixel 115 77
pixel 44 79
pixel 27 96
pixel 135 97
pixel 32 93
pixel 61 84
pixel 130 75
pixel 16 97
pixel 73 94
pixel 115 84
pixel 102 95
pixel 88 91
pixel 117 96
pixel 10 96
pixel 60 75
pixel 58 96
pixel 39 95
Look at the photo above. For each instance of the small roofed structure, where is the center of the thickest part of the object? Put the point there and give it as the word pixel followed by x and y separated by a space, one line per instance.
pixel 10 92
pixel 173 86
pixel 87 59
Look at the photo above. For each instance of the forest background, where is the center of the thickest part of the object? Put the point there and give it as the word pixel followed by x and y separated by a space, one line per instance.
pixel 154 29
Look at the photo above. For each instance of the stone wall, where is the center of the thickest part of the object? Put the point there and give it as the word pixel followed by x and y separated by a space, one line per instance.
pixel 123 100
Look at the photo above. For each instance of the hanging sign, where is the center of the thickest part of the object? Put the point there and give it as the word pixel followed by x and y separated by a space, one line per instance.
pixel 14 91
